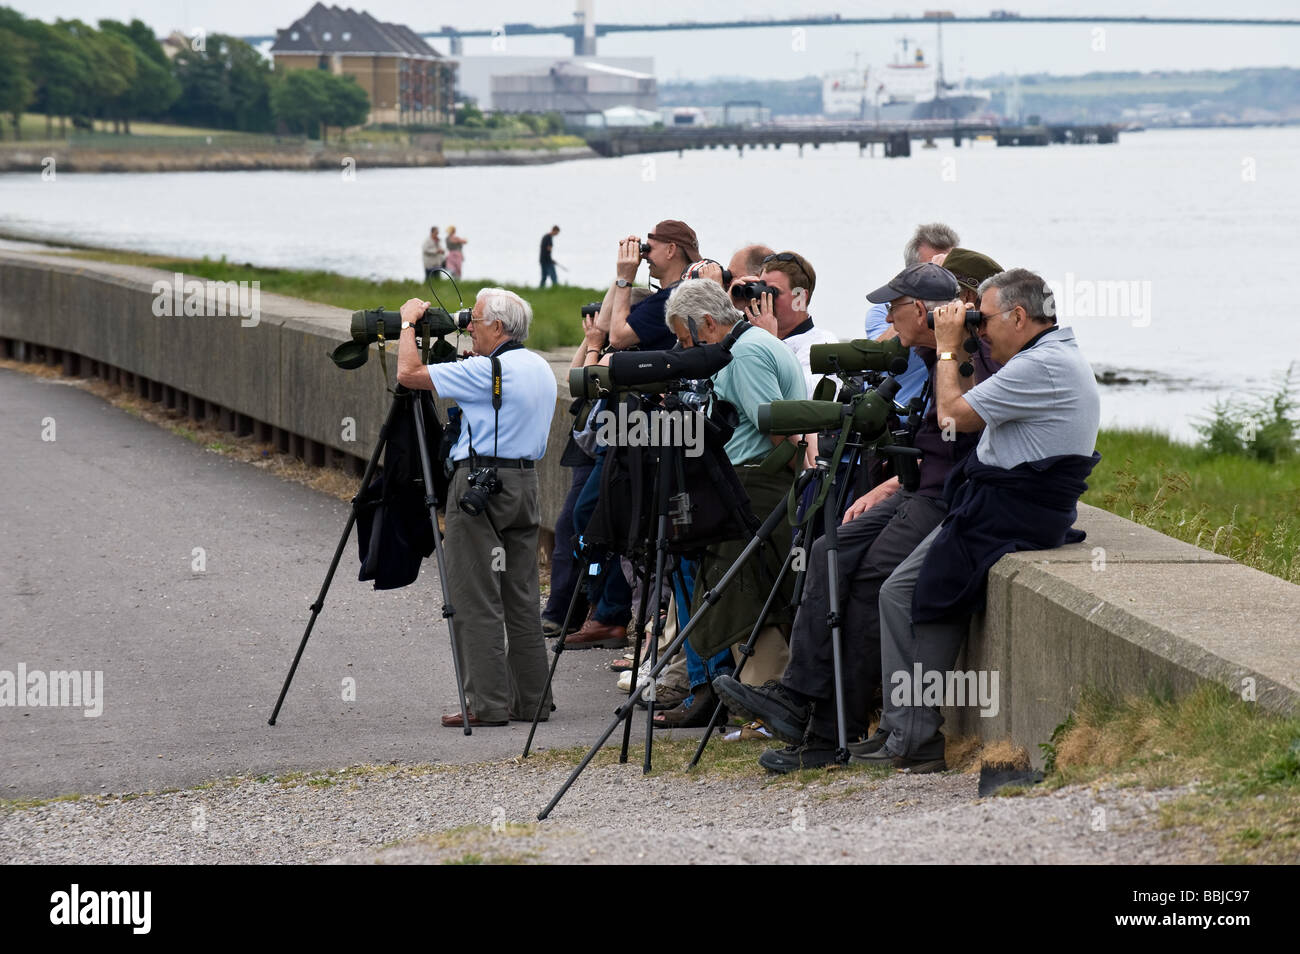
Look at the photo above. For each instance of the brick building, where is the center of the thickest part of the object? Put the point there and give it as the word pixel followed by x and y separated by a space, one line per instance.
pixel 408 82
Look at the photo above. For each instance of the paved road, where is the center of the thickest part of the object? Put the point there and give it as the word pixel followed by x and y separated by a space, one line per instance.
pixel 99 528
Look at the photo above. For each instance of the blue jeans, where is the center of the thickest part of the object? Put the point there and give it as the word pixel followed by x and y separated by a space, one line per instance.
pixel 565 571
pixel 613 599
pixel 548 271
pixel 698 672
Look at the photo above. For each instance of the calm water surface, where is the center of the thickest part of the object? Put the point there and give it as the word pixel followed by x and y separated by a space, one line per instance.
pixel 1199 225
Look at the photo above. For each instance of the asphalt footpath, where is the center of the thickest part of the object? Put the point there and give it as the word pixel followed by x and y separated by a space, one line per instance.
pixel 186 580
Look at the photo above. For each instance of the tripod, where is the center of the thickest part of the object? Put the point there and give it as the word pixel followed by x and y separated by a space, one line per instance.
pixel 665 467
pixel 402 397
pixel 839 484
pixel 625 711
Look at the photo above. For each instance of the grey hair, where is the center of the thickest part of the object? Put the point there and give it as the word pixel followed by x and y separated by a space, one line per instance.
pixel 934 234
pixel 1020 286
pixel 504 306
pixel 697 297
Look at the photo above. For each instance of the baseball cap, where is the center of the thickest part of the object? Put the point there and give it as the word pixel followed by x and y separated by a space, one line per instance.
pixel 674 230
pixel 926 281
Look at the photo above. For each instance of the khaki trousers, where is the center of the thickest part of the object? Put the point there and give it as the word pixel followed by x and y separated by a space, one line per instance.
pixel 492 581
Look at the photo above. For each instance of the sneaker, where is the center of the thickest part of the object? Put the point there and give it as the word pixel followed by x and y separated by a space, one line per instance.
pixel 814 753
pixel 867 746
pixel 770 703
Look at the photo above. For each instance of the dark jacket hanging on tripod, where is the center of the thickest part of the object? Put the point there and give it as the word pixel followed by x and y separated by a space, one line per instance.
pixel 393 530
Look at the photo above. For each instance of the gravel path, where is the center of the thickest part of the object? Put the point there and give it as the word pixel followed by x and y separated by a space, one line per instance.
pixel 487 812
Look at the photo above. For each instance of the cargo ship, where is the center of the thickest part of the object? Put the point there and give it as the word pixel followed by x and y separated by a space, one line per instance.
pixel 908 88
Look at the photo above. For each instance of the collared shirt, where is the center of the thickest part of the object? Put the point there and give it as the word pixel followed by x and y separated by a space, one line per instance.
pixel 800 342
pixel 762 370
pixel 1043 403
pixel 528 392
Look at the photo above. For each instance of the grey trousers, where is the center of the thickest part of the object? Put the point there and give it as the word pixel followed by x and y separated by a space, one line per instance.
pixel 492 581
pixel 913 729
pixel 868 549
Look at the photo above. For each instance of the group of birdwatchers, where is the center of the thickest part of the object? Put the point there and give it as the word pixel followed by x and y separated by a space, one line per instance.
pixel 1004 412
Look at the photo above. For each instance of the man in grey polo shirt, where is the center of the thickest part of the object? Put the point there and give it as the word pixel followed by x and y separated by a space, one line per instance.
pixel 1017 491
pixel 492 555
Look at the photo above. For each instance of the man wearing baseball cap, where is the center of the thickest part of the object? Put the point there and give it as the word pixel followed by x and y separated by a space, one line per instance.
pixel 672 247
pixel 880 530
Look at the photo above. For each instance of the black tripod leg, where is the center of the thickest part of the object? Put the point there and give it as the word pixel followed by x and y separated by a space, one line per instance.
pixel 371 466
pixel 555 663
pixel 448 612
pixel 833 601
pixel 710 598
pixel 636 662
pixel 747 650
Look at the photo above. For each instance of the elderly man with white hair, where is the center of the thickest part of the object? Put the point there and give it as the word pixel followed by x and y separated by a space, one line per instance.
pixel 492 565
pixel 762 369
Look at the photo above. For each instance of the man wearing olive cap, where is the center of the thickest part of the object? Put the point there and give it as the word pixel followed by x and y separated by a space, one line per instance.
pixel 880 530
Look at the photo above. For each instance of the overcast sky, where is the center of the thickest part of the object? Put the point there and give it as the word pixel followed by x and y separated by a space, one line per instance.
pixel 975 50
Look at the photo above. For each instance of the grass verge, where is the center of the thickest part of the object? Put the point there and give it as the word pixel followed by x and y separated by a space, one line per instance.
pixel 1244 508
pixel 1243 762
pixel 557 310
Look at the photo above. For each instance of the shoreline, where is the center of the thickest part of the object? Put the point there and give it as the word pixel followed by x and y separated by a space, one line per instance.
pixel 18 159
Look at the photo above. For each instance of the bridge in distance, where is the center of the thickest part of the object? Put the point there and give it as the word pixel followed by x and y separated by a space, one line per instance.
pixel 580 40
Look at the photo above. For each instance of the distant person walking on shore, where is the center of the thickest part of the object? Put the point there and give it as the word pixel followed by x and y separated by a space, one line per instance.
pixel 455 258
pixel 548 263
pixel 435 257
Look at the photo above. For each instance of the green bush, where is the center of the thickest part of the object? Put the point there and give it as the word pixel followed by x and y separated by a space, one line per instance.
pixel 1263 428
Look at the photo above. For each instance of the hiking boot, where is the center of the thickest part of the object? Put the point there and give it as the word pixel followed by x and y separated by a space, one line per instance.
pixel 814 753
pixel 770 703
pixel 695 712
pixel 666 697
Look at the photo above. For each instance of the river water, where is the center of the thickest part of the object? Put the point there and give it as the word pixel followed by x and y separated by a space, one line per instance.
pixel 1175 251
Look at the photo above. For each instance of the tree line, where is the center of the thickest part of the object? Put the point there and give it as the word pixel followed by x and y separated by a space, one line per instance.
pixel 70 71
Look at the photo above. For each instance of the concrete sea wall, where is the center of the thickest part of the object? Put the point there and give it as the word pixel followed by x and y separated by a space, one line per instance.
pixel 1127 611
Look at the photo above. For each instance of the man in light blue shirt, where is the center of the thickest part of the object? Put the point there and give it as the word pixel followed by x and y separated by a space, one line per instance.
pixel 492 565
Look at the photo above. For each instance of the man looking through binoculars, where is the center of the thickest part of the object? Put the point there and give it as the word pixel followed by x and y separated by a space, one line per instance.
pixel 492 507
pixel 880 529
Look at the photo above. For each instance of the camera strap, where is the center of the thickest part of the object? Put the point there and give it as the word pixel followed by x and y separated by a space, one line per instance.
pixel 497 378
pixel 738 329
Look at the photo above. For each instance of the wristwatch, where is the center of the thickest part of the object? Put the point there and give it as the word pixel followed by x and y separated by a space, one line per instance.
pixel 947 356
pixel 407 324
pixel 623 283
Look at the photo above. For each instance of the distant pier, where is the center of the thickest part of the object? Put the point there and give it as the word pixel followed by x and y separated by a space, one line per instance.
pixel 895 138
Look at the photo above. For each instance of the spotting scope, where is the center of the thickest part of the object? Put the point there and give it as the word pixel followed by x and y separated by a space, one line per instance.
pixel 868 413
